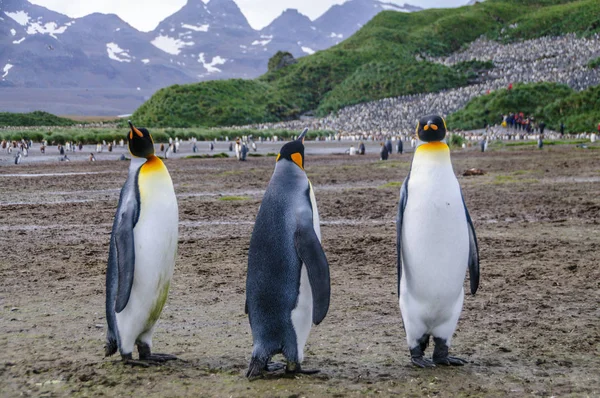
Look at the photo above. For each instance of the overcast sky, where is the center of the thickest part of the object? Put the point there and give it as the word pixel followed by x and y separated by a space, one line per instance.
pixel 146 14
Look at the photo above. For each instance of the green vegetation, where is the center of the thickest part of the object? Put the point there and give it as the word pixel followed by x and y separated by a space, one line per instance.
pixel 456 141
pixel 93 136
pixel 551 102
pixel 233 198
pixel 594 63
pixel 208 156
pixel 281 59
pixel 377 62
pixel 37 118
pixel 393 184
pixel 258 155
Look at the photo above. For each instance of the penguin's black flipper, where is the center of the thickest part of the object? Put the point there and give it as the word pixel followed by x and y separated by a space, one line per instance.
pixel 473 254
pixel 125 220
pixel 401 206
pixel 311 253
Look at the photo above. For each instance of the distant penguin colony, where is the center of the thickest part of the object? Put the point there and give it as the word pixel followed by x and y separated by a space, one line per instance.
pixel 141 259
pixel 288 278
pixel 436 242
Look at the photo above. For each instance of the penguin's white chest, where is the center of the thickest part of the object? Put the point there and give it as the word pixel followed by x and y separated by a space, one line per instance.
pixel 435 238
pixel 302 314
pixel 155 245
pixel 156 232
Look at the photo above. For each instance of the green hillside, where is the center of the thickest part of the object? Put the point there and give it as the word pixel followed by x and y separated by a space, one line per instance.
pixel 377 62
pixel 37 118
pixel 553 103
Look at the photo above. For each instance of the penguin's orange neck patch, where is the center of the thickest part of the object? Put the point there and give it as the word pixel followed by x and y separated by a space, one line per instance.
pixel 436 146
pixel 153 164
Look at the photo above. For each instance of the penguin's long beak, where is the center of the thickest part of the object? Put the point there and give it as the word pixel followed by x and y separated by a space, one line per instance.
pixel 302 135
pixel 134 130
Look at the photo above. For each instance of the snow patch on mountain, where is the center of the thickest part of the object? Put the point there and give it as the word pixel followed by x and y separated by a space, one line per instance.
pixel 7 67
pixel 201 28
pixel 13 32
pixel 50 28
pixel 18 41
pixel 146 61
pixel 211 67
pixel 35 27
pixel 170 45
pixel 117 53
pixel 20 17
pixel 266 40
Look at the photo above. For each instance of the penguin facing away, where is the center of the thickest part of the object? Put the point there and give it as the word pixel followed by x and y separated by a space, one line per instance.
pixel 287 286
pixel 436 243
pixel 141 259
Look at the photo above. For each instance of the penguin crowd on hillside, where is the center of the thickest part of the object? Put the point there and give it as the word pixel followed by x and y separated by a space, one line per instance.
pixel 560 59
pixel 288 285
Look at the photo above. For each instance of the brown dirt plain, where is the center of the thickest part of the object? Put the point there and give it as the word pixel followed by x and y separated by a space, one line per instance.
pixel 533 328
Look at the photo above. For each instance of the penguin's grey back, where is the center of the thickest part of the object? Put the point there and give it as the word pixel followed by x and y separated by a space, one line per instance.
pixel 274 266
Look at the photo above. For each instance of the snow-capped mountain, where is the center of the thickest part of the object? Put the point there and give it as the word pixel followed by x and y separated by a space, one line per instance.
pixel 342 21
pixel 43 50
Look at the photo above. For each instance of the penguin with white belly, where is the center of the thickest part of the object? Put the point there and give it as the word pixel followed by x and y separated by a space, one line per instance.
pixel 287 286
pixel 141 259
pixel 436 243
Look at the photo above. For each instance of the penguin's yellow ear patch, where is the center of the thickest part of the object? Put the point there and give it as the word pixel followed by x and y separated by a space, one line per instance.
pixel 297 158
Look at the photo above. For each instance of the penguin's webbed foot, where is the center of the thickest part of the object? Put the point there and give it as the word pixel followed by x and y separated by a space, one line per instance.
pixel 128 360
pixel 159 358
pixel 422 362
pixel 295 368
pixel 449 361
pixel 440 354
pixel 134 362
pixel 274 366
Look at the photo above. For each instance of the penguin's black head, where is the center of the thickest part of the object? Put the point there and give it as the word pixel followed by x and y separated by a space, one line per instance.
pixel 294 151
pixel 140 142
pixel 431 128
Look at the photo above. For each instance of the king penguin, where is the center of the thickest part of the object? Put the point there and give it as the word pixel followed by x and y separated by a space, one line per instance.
pixel 141 259
pixel 287 286
pixel 436 243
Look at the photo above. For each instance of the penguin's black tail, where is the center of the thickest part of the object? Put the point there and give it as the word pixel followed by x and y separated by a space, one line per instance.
pixel 256 367
pixel 111 346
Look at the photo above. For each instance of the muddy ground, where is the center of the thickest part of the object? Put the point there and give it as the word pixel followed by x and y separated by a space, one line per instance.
pixel 532 329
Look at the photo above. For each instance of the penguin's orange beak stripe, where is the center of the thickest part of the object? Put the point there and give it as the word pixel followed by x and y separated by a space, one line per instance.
pixel 136 131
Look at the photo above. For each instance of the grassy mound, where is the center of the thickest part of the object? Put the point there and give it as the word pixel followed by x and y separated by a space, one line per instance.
pixel 551 102
pixel 160 135
pixel 378 61
pixel 37 118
